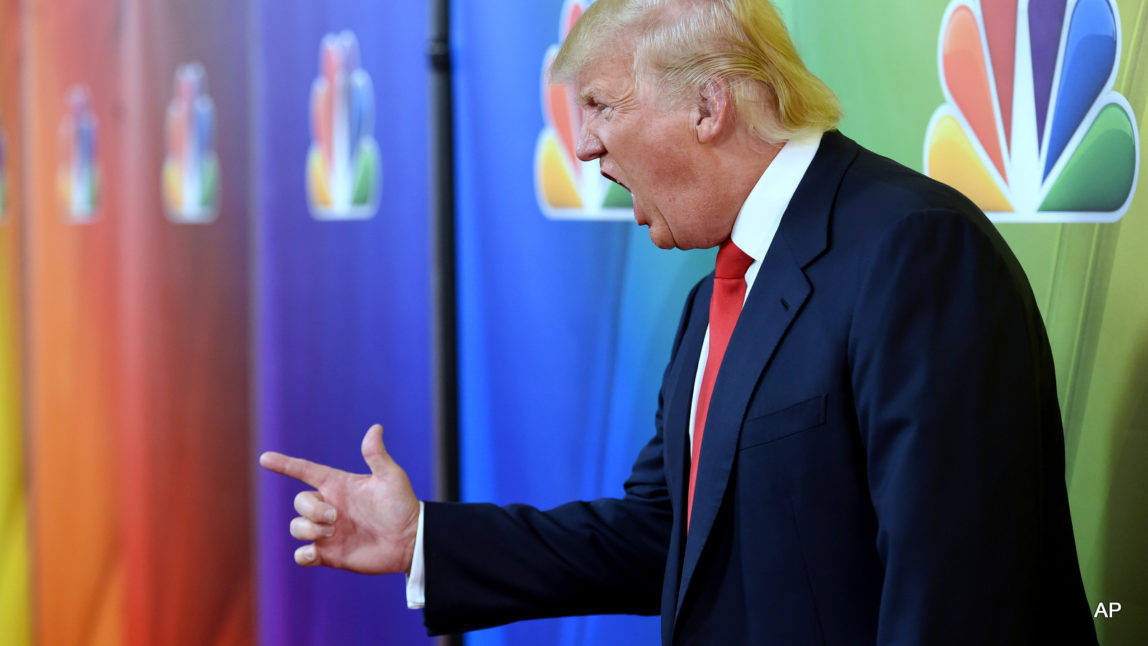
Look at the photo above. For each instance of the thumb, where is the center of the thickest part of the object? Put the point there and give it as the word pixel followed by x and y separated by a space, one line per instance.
pixel 374 453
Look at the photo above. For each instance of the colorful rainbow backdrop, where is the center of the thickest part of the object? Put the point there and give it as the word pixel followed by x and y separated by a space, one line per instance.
pixel 148 353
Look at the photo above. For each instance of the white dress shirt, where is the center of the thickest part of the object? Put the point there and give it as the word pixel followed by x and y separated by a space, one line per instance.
pixel 753 233
pixel 757 223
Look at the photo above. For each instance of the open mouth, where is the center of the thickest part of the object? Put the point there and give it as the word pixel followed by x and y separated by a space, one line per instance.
pixel 611 178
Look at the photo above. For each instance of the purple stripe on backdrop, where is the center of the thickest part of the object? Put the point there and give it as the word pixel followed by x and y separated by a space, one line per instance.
pixel 342 311
pixel 1045 22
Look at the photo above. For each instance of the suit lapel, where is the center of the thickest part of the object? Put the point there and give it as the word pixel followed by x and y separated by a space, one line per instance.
pixel 778 295
pixel 676 433
pixel 677 420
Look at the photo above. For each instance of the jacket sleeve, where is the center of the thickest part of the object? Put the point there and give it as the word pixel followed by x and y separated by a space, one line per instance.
pixel 956 404
pixel 488 565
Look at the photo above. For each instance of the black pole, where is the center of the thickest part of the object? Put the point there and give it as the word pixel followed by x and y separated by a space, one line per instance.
pixel 443 315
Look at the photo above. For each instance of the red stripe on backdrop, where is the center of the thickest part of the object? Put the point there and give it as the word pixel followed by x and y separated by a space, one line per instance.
pixel 71 299
pixel 186 413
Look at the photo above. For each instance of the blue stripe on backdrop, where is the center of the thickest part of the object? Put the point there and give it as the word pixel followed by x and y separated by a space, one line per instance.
pixel 343 307
pixel 564 326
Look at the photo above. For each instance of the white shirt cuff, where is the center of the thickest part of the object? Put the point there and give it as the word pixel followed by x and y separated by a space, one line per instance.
pixel 416 580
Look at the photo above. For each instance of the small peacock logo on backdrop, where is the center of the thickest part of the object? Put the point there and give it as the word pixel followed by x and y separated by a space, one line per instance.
pixel 190 165
pixel 567 188
pixel 77 174
pixel 344 168
pixel 1031 129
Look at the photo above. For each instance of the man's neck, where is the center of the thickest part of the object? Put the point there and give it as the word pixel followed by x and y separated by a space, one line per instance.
pixel 736 169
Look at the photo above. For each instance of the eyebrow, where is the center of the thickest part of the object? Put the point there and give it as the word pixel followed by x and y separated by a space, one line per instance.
pixel 586 95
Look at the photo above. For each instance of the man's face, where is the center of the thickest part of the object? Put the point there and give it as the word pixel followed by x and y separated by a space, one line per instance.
pixel 647 145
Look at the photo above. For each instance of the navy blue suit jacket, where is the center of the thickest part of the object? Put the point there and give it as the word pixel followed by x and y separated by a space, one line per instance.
pixel 883 459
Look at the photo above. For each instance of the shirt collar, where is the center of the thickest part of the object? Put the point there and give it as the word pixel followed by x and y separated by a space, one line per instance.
pixel 760 214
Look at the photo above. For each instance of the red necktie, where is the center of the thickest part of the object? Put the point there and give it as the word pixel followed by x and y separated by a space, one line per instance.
pixel 725 305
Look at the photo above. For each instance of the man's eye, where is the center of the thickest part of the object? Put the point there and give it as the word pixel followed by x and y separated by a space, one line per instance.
pixel 592 106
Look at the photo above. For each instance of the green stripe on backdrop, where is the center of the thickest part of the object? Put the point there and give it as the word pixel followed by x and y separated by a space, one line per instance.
pixel 1108 480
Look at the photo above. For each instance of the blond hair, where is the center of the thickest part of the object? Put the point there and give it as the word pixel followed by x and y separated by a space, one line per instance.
pixel 685 44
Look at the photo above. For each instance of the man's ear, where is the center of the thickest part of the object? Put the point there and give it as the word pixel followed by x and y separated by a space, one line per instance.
pixel 713 113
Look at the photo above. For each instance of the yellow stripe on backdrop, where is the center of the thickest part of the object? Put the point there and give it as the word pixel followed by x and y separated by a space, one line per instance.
pixel 13 508
pixel 15 626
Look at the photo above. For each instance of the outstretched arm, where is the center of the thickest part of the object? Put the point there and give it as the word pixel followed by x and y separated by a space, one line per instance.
pixel 488 565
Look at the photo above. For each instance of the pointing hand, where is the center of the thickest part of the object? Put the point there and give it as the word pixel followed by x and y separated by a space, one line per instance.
pixel 360 522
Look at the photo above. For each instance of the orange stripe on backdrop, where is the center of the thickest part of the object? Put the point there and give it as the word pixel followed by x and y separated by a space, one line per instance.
pixel 187 499
pixel 14 624
pixel 71 299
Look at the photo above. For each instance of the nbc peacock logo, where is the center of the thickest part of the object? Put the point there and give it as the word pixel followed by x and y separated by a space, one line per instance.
pixel 77 175
pixel 567 188
pixel 343 164
pixel 190 165
pixel 1031 129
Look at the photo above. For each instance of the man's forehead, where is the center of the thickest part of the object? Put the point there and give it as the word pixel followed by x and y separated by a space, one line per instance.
pixel 603 75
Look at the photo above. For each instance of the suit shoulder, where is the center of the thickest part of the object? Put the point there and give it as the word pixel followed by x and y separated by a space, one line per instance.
pixel 875 183
pixel 880 200
pixel 878 194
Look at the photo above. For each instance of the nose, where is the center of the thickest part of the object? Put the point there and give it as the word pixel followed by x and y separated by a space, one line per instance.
pixel 589 146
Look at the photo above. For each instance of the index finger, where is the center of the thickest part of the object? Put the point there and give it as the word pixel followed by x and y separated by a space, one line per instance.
pixel 306 471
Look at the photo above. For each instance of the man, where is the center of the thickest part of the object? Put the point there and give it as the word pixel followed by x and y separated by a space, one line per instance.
pixel 858 439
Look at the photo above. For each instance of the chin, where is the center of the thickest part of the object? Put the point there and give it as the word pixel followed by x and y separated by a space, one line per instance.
pixel 662 241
